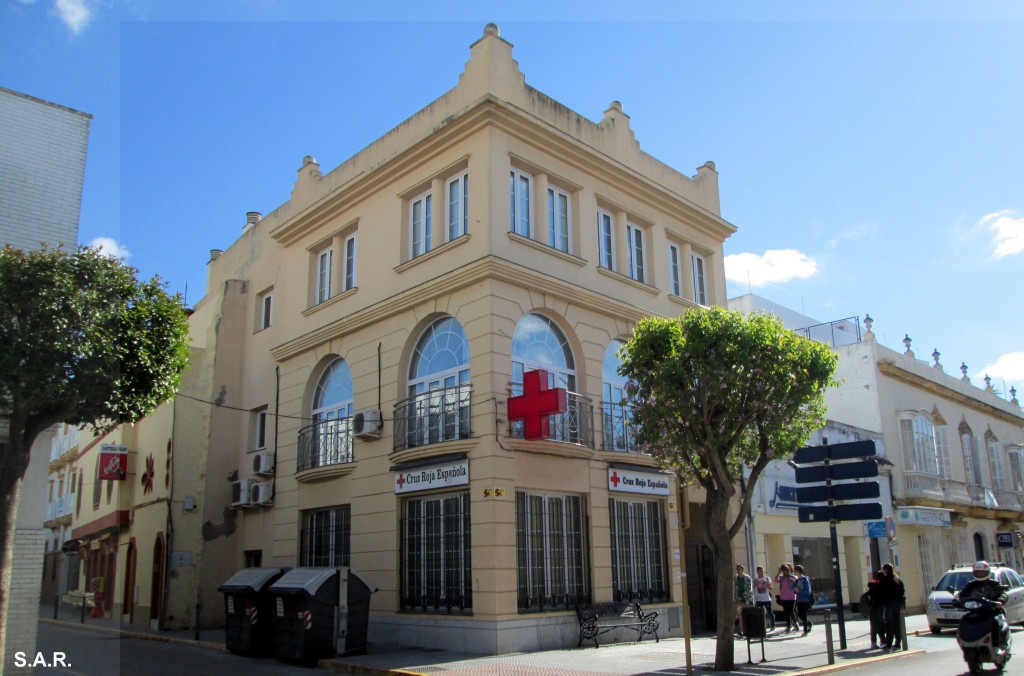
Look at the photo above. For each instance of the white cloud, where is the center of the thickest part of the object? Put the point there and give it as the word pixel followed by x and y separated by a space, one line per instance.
pixel 1009 232
pixel 110 247
pixel 775 265
pixel 74 13
pixel 1009 367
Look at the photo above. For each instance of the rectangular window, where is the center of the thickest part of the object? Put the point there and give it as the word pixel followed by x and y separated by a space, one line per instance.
pixel 639 554
pixel 458 207
pixel 266 308
pixel 261 430
pixel 550 552
pixel 700 295
pixel 253 558
pixel 325 262
pixel 519 204
pixel 919 445
pixel 605 239
pixel 1017 470
pixel 419 225
pixel 973 462
pixel 675 278
pixel 635 244
pixel 942 451
pixel 995 465
pixel 350 263
pixel 436 563
pixel 558 220
pixel 326 535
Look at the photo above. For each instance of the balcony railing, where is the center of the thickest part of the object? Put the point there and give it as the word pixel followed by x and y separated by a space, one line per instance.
pixel 834 333
pixel 923 485
pixel 575 426
pixel 1010 500
pixel 433 417
pixel 327 442
pixel 982 496
pixel 619 431
pixel 62 506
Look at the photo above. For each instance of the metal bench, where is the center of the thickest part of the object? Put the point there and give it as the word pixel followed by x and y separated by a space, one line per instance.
pixel 600 618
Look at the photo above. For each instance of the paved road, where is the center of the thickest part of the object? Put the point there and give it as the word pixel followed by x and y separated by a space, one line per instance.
pixel 93 653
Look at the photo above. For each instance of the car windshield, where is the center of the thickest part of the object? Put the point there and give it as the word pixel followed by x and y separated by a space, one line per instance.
pixel 956 580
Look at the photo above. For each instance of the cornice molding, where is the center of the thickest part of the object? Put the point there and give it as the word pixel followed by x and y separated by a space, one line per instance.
pixel 902 375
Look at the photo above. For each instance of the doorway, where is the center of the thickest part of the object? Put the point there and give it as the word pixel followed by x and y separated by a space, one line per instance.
pixel 157 583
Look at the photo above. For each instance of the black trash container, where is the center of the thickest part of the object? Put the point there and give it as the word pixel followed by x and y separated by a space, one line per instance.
pixel 249 625
pixel 305 614
pixel 754 622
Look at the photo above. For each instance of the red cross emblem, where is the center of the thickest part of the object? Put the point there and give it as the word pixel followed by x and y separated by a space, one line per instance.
pixel 401 480
pixel 614 478
pixel 536 403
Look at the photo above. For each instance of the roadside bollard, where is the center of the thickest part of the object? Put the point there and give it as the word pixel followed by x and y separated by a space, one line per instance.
pixel 56 605
pixel 903 628
pixel 198 608
pixel 828 637
pixel 81 620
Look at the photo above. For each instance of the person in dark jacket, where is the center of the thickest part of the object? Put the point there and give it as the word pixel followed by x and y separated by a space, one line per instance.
pixel 984 586
pixel 873 609
pixel 891 598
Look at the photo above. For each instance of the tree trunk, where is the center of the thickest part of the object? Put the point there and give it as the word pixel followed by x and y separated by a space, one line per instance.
pixel 13 463
pixel 721 545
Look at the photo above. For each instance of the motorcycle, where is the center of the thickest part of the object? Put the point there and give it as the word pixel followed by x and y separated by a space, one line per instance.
pixel 976 637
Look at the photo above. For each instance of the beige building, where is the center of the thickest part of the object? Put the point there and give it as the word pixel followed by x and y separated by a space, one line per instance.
pixel 380 321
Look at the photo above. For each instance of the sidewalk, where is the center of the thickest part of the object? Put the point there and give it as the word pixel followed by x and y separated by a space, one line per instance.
pixel 785 653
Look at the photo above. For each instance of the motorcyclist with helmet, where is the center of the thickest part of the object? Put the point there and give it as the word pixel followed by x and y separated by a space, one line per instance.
pixel 985 586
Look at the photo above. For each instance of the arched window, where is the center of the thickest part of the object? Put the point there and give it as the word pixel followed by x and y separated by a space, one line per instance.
pixel 328 441
pixel 615 413
pixel 438 407
pixel 538 344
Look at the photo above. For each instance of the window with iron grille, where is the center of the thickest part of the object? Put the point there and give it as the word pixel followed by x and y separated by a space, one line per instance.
pixel 326 535
pixel 638 550
pixel 436 561
pixel 550 552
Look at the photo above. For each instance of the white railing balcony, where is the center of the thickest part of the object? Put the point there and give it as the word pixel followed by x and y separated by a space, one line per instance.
pixel 51 511
pixel 923 485
pixel 1013 500
pixel 956 491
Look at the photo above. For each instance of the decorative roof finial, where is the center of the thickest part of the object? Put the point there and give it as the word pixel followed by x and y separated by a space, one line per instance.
pixel 1013 396
pixel 868 321
pixel 935 356
pixel 906 343
pixel 988 383
pixel 963 370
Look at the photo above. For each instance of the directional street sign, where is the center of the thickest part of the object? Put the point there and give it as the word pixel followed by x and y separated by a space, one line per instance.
pixel 852 512
pixel 857 491
pixel 845 451
pixel 863 469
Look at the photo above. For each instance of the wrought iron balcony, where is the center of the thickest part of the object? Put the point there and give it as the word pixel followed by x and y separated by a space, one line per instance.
pixel 575 426
pixel 982 496
pixel 327 442
pixel 617 423
pixel 433 417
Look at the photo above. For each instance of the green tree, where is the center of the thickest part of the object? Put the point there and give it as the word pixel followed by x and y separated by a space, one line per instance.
pixel 83 342
pixel 714 392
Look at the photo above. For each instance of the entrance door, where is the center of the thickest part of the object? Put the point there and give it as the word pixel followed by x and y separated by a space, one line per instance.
pixel 129 583
pixel 157 583
pixel 700 587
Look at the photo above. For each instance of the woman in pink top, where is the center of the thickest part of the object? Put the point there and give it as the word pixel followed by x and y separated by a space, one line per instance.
pixel 785 581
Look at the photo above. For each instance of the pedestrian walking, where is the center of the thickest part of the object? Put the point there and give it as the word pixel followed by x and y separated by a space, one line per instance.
pixel 787 596
pixel 763 595
pixel 892 599
pixel 743 597
pixel 872 609
pixel 804 594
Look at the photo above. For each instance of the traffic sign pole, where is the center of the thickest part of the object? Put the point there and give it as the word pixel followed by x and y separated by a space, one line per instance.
pixel 836 577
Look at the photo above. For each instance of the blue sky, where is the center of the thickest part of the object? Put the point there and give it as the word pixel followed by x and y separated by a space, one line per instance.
pixel 871 157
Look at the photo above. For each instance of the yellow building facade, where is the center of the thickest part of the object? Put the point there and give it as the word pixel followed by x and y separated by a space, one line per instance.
pixel 384 316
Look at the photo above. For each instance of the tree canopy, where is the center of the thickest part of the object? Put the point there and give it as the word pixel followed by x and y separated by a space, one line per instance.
pixel 83 342
pixel 714 392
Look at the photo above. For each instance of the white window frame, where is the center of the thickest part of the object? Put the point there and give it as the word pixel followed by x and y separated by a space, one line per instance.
pixel 419 229
pixel 351 251
pixel 675 272
pixel 636 251
pixel 520 205
pixel 559 219
pixel 262 420
pixel 266 310
pixel 995 463
pixel 324 266
pixel 700 292
pixel 605 240
pixel 458 206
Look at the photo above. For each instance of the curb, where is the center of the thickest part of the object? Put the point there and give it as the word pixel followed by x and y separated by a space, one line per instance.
pixel 124 633
pixel 853 664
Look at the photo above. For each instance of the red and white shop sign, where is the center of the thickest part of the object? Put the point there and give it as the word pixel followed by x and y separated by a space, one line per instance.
pixel 647 483
pixel 434 476
pixel 113 462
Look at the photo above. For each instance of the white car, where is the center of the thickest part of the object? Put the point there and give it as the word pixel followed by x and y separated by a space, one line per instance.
pixel 940 610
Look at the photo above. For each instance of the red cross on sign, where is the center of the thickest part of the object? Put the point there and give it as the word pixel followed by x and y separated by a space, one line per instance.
pixel 401 480
pixel 536 403
pixel 614 479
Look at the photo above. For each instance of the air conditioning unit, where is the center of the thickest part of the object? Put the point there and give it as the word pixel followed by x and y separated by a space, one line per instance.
pixel 366 423
pixel 240 492
pixel 263 463
pixel 263 493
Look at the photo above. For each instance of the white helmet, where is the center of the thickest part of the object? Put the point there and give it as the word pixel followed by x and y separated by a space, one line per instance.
pixel 981 570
